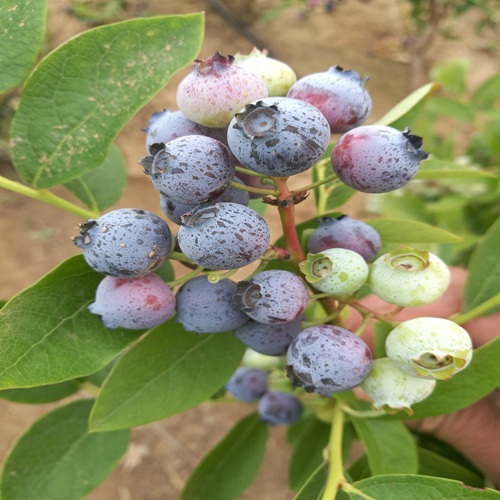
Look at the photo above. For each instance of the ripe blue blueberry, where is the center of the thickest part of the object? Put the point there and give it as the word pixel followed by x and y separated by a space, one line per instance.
pixel 271 340
pixel 206 307
pixel 125 243
pixel 327 359
pixel 223 236
pixel 175 210
pixel 376 158
pixel 344 232
pixel 339 94
pixel 273 296
pixel 278 136
pixel 247 384
pixel 190 169
pixel 133 303
pixel 279 408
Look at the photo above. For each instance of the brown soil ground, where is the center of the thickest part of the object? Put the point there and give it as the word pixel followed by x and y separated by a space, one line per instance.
pixel 363 35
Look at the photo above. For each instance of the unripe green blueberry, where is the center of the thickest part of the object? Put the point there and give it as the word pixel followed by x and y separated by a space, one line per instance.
pixel 409 277
pixel 337 271
pixel 429 347
pixel 392 389
pixel 277 75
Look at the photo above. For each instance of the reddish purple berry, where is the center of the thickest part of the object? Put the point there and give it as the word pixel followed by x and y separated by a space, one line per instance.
pixel 134 303
pixel 340 95
pixel 344 232
pixel 376 158
pixel 216 89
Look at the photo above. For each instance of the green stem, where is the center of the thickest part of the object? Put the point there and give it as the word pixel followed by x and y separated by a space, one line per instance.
pixel 480 310
pixel 320 182
pixel 185 278
pixel 335 464
pixel 179 256
pixel 367 312
pixel 215 276
pixel 251 172
pixel 251 189
pixel 325 319
pixel 349 488
pixel 363 414
pixel 286 209
pixel 47 197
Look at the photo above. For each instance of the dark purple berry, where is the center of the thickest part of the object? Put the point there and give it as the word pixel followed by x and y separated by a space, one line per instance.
pixel 376 158
pixel 271 340
pixel 278 136
pixel 133 303
pixel 190 169
pixel 344 232
pixel 175 210
pixel 216 89
pixel 327 359
pixel 247 384
pixel 223 236
pixel 164 126
pixel 125 243
pixel 274 296
pixel 279 408
pixel 340 95
pixel 205 307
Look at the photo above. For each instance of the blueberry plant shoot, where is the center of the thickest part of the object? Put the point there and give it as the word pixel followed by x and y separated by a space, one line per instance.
pixel 135 341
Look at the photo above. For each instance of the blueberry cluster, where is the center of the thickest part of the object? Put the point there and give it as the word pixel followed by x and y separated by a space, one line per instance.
pixel 250 116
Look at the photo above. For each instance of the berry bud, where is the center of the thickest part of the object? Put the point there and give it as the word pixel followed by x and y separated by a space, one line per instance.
pixel 409 277
pixel 393 389
pixel 429 347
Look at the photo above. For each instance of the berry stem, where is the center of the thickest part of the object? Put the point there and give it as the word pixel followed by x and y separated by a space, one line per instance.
pixel 246 171
pixel 480 310
pixel 335 465
pixel 363 414
pixel 185 278
pixel 179 256
pixel 325 319
pixel 286 209
pixel 251 189
pixel 331 178
pixel 372 314
pixel 47 197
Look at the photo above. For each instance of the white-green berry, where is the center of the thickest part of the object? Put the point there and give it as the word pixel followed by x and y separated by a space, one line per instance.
pixel 277 75
pixel 337 271
pixel 409 277
pixel 429 347
pixel 394 390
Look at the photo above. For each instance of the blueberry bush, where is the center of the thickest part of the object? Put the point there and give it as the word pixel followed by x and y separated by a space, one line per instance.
pixel 135 342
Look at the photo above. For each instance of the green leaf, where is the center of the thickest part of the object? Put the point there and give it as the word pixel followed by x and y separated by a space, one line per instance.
pixel 58 459
pixel 22 27
pixel 48 335
pixel 435 169
pixel 104 186
pixel 307 452
pixel 488 93
pixel 483 279
pixel 433 464
pixel 84 92
pixel 359 469
pixel 451 108
pixel 477 380
pixel 390 449
pixel 313 488
pixel 412 487
pixel 338 196
pixel 452 75
pixel 406 206
pixel 42 394
pixel 167 372
pixel 408 103
pixel 166 271
pixel 400 231
pixel 231 467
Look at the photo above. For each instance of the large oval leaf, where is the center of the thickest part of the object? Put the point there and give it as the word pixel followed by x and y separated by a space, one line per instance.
pixel 48 335
pixel 58 459
pixel 84 92
pixel 413 487
pixel 167 372
pixel 22 27
pixel 42 394
pixel 231 467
